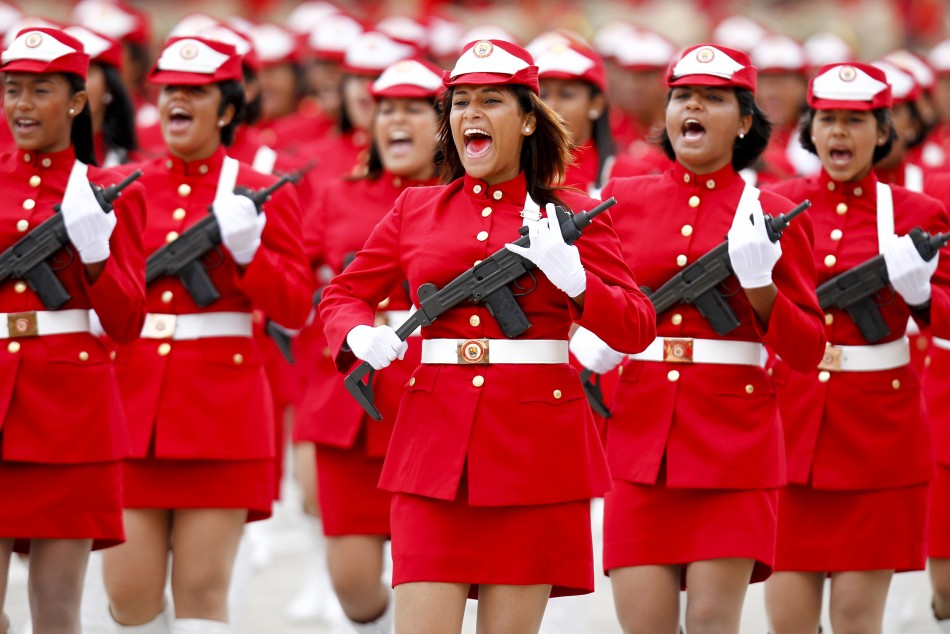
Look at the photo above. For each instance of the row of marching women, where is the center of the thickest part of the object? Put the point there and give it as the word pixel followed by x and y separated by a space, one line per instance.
pixel 760 417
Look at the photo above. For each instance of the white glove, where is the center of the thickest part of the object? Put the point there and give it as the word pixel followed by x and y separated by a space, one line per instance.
pixel 751 253
pixel 87 225
pixel 378 346
pixel 241 226
pixel 560 262
pixel 909 273
pixel 593 353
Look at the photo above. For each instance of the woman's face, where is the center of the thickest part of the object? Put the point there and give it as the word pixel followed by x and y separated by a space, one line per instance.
pixel 489 128
pixel 405 133
pixel 845 141
pixel 38 110
pixel 190 120
pixel 324 79
pixel 703 123
pixel 96 89
pixel 781 96
pixel 278 91
pixel 574 101
pixel 357 101
pixel 907 129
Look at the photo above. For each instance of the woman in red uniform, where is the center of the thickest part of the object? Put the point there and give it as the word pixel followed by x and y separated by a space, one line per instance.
pixel 695 442
pixel 856 436
pixel 59 457
pixel 350 445
pixel 194 388
pixel 494 456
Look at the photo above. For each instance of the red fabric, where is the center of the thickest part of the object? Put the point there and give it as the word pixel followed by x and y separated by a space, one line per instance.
pixel 744 77
pixel 72 427
pixel 635 139
pixel 216 385
pixel 295 131
pixel 717 426
pixel 46 501
pixel 845 71
pixel 936 391
pixel 832 531
pixel 350 501
pixel 938 525
pixel 658 525
pixel 582 173
pixel 337 155
pixel 454 541
pixel 152 483
pixel 527 433
pixel 774 165
pixel 826 424
pixel 336 227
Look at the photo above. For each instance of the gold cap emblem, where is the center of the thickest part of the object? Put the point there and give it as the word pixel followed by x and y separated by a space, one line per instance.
pixel 705 55
pixel 189 51
pixel 33 40
pixel 847 73
pixel 483 48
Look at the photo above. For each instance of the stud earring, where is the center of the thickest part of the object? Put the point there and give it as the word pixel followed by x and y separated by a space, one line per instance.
pixel 742 135
pixel 527 130
pixel 220 123
pixel 593 114
pixel 72 111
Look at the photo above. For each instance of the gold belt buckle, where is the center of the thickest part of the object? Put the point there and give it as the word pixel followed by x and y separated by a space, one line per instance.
pixel 473 352
pixel 831 361
pixel 22 325
pixel 159 326
pixel 677 350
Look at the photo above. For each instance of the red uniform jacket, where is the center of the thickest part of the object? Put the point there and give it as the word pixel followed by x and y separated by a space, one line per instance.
pixel 345 215
pixel 208 398
pixel 715 426
pixel 59 398
pixel 523 433
pixel 859 430
pixel 582 173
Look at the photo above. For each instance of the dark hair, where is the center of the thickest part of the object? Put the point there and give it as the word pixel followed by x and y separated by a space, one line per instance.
pixel 924 128
pixel 745 151
pixel 374 161
pixel 139 56
pixel 344 122
pixel 232 93
pixel 603 138
pixel 118 128
pixel 252 109
pixel 80 134
pixel 545 154
pixel 881 115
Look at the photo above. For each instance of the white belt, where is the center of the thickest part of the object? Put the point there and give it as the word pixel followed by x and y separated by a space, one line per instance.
pixel 485 351
pixel 35 323
pixel 943 344
pixel 196 325
pixel 884 356
pixel 687 350
pixel 395 318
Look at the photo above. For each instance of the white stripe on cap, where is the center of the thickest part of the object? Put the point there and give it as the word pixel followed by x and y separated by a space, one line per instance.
pixel 191 56
pixel 226 35
pixel 408 73
pixel 496 60
pixel 36 46
pixel 334 33
pixel 272 42
pixel 565 60
pixel 706 60
pixel 644 48
pixel 106 17
pixel 846 85
pixel 92 44
pixel 374 50
pixel 778 51
pixel 902 83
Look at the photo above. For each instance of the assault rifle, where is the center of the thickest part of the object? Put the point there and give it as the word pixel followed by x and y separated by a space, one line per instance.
pixel 697 284
pixel 182 256
pixel 854 289
pixel 487 283
pixel 27 259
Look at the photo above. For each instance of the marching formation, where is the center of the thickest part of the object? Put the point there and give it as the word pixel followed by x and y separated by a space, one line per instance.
pixel 476 285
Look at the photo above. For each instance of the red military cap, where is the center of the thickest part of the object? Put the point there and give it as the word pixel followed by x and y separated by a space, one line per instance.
pixel 939 58
pixel 405 30
pixel 241 43
pixel 373 52
pixel 117 19
pixel 849 86
pixel 100 48
pixel 904 87
pixel 494 62
pixel 738 31
pixel 330 37
pixel 43 50
pixel 643 50
pixel 307 16
pixel 560 55
pixel 916 66
pixel 9 15
pixel 412 78
pixel 776 53
pixel 709 65
pixel 193 61
pixel 275 45
pixel 826 47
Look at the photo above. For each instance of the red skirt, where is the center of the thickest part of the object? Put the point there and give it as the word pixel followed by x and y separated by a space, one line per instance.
pixel 646 525
pixel 350 501
pixel 61 501
pixel 938 537
pixel 452 542
pixel 155 483
pixel 834 531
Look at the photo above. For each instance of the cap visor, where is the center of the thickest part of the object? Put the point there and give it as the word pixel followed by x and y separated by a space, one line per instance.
pixel 404 91
pixel 478 79
pixel 840 104
pixel 179 78
pixel 702 80
pixel 39 68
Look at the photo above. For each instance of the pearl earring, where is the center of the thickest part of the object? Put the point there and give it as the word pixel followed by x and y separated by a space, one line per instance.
pixel 742 135
pixel 593 114
pixel 72 111
pixel 220 123
pixel 527 130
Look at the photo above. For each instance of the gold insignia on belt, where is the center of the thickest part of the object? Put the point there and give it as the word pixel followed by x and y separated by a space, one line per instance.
pixel 473 352
pixel 831 360
pixel 677 350
pixel 22 325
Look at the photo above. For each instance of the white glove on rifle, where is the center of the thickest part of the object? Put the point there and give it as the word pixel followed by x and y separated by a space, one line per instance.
pixel 378 346
pixel 752 254
pixel 593 353
pixel 909 273
pixel 560 262
pixel 87 225
pixel 241 226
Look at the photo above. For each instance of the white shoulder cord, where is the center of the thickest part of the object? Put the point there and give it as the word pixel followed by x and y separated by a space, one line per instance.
pixel 885 214
pixel 228 178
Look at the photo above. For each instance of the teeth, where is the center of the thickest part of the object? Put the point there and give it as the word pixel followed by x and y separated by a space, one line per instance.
pixel 471 131
pixel 179 111
pixel 399 135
